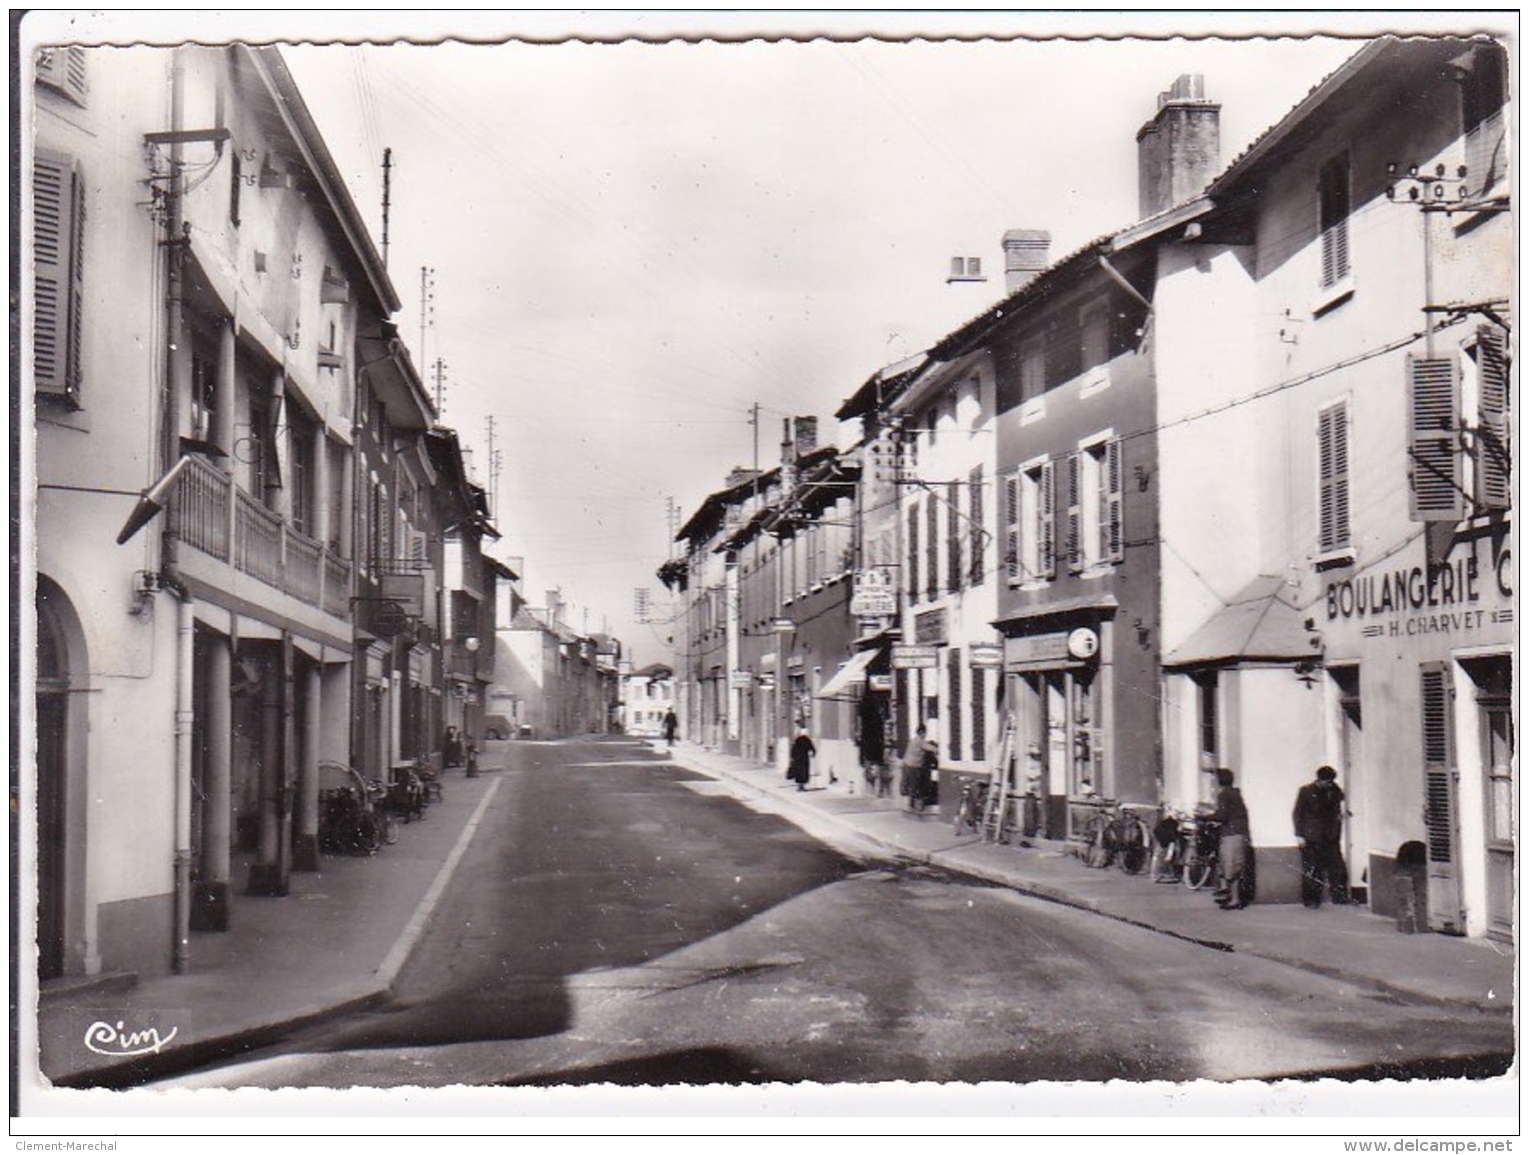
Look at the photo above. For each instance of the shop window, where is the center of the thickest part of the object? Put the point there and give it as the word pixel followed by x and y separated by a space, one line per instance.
pixel 1208 718
pixel 1087 736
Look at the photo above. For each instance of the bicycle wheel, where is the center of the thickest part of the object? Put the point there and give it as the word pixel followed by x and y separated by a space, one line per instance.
pixel 1097 854
pixel 1199 870
pixel 1131 847
pixel 389 828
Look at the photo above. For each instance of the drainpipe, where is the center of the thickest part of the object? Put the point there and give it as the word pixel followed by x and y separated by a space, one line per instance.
pixel 185 632
pixel 177 388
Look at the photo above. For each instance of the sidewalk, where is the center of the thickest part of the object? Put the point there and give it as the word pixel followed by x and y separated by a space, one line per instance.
pixel 334 944
pixel 1347 943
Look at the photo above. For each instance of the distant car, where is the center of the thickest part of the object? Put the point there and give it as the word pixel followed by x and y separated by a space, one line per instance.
pixel 497 726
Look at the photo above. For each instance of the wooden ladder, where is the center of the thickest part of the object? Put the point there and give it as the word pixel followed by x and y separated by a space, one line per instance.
pixel 1002 791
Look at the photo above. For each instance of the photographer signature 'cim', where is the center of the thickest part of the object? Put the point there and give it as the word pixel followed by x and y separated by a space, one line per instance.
pixel 108 1039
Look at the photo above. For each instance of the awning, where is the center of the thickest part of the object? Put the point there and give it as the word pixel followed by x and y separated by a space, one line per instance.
pixel 1259 624
pixel 852 671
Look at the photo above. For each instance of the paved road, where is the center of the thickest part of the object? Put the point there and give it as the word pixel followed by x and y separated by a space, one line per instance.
pixel 618 919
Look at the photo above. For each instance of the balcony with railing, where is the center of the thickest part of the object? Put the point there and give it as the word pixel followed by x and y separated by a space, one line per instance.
pixel 214 516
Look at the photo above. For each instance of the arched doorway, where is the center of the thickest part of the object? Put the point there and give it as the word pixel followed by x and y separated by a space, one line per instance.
pixel 53 773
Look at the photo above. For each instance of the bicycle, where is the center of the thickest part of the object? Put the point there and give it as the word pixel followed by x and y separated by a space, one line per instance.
pixel 1098 849
pixel 1129 840
pixel 971 809
pixel 350 821
pixel 1199 841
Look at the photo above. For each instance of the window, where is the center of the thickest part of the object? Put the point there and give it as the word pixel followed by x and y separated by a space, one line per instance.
pixel 301 442
pixel 1332 478
pixel 204 390
pixel 1094 529
pixel 1087 734
pixel 1032 370
pixel 1095 348
pixel 1333 199
pixel 976 526
pixel 58 232
pixel 1207 695
pixel 63 70
pixel 1483 97
pixel 1029 514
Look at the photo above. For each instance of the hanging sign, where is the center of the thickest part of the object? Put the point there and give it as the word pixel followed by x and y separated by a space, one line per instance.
pixel 911 657
pixel 985 657
pixel 1083 643
pixel 874 594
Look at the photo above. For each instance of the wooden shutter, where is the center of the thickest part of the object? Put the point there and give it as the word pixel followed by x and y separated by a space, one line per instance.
pixel 912 585
pixel 1074 542
pixel 64 70
pixel 979 714
pixel 1332 478
pixel 953 742
pixel 953 534
pixel 1494 460
pixel 932 548
pixel 58 266
pixel 978 527
pixel 1433 393
pixel 1046 522
pixel 1439 813
pixel 1011 540
pixel 1114 489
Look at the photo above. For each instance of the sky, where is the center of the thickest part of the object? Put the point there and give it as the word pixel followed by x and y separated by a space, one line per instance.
pixel 630 244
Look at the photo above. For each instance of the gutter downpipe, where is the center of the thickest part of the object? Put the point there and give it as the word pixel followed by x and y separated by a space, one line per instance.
pixel 185 628
pixel 1115 275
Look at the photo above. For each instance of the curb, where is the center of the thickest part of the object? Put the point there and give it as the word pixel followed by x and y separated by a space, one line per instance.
pixel 1062 897
pixel 136 1071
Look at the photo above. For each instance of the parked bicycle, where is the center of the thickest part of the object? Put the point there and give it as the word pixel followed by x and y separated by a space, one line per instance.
pixel 971 808
pixel 351 817
pixel 1199 846
pixel 407 795
pixel 1128 840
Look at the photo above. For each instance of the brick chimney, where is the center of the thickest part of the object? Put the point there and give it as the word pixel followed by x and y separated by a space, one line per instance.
pixel 806 436
pixel 1025 253
pixel 1178 151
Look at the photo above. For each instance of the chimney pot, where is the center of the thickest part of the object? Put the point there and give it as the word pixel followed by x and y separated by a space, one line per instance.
pixel 1025 253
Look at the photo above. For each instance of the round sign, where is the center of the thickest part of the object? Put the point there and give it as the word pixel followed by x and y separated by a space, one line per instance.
pixel 389 619
pixel 1083 643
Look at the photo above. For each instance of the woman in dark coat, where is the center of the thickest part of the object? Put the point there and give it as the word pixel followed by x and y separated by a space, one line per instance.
pixel 802 751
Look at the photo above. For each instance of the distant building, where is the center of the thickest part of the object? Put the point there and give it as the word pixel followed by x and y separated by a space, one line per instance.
pixel 647 695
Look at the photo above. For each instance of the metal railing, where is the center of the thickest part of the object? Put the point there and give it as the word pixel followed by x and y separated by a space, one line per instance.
pixel 213 515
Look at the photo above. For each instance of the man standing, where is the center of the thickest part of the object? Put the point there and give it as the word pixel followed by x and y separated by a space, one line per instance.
pixel 1231 817
pixel 671 726
pixel 1318 818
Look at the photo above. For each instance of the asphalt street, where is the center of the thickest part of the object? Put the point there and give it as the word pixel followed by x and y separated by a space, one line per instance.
pixel 619 919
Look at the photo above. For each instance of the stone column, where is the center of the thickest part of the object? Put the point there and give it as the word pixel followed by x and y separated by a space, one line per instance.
pixel 305 842
pixel 209 904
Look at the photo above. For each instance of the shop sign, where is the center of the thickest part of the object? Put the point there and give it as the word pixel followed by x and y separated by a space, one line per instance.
pixel 880 683
pixel 1033 651
pixel 929 627
pixel 912 657
pixel 742 679
pixel 985 657
pixel 874 594
pixel 1083 643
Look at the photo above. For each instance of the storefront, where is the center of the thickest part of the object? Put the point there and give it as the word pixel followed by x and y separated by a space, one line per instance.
pixel 1420 672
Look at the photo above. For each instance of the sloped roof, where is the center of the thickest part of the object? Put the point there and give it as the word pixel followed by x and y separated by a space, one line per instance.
pixel 1262 623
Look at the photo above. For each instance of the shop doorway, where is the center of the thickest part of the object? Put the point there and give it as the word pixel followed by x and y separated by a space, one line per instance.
pixel 1493 678
pixel 1352 774
pixel 52 788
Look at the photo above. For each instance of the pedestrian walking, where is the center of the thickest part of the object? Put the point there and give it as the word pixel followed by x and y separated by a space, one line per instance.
pixel 671 726
pixel 918 763
pixel 802 751
pixel 451 748
pixel 1318 820
pixel 1231 817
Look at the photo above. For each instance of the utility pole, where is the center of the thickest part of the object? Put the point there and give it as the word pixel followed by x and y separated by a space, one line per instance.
pixel 440 389
pixel 426 307
pixel 387 199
